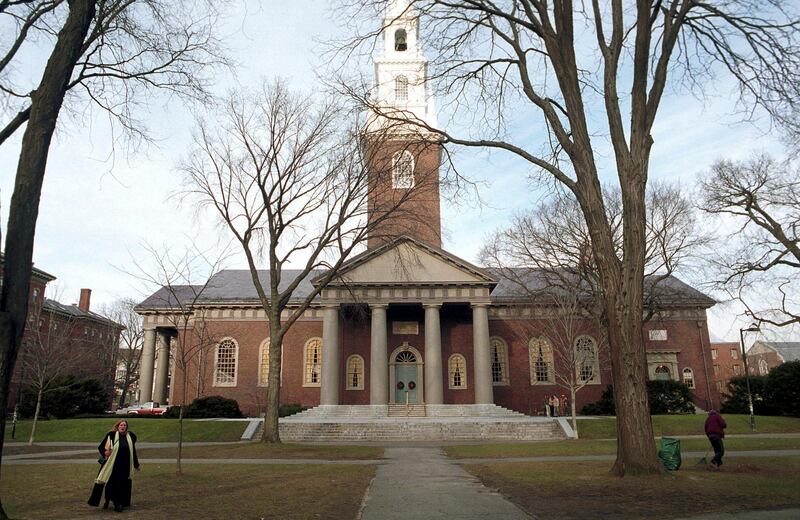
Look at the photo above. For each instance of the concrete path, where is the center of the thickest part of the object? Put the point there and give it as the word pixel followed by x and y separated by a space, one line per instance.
pixel 421 483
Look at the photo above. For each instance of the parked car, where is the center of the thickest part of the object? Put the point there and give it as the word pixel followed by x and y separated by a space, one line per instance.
pixel 151 408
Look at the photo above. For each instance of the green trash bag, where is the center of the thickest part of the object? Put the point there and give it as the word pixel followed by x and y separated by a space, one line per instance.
pixel 670 453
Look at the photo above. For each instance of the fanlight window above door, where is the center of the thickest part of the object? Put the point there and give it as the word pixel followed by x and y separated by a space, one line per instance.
pixel 406 357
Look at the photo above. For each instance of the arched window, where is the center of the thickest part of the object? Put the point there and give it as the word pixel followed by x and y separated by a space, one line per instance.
pixel 662 373
pixel 263 363
pixel 763 367
pixel 587 363
pixel 225 362
pixel 355 373
pixel 688 377
pixel 499 355
pixel 313 362
pixel 400 40
pixel 457 367
pixel 540 356
pixel 403 170
pixel 401 88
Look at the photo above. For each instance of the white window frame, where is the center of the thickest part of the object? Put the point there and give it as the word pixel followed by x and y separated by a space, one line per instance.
pixel 264 346
pixel 763 367
pixel 660 369
pixel 688 371
pixel 306 345
pixel 348 380
pixel 504 379
pixel 401 89
pixel 549 360
pixel 404 182
pixel 216 381
pixel 595 379
pixel 451 372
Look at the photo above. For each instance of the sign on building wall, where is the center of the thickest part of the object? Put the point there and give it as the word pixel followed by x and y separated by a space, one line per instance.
pixel 658 335
pixel 405 327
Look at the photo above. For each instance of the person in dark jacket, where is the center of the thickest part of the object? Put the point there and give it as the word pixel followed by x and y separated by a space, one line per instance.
pixel 118 460
pixel 715 431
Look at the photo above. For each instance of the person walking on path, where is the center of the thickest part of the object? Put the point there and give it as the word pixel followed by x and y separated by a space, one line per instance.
pixel 715 431
pixel 118 459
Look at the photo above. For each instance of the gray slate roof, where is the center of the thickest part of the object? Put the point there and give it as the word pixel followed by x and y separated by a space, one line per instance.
pixel 75 312
pixel 516 283
pixel 232 286
pixel 790 350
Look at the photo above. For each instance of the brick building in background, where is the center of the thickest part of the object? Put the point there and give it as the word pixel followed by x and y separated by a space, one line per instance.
pixel 763 356
pixel 726 360
pixel 83 342
pixel 407 321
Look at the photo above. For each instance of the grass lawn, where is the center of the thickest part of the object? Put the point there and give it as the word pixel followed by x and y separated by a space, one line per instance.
pixel 606 447
pixel 224 491
pixel 258 450
pixel 146 430
pixel 585 490
pixel 605 427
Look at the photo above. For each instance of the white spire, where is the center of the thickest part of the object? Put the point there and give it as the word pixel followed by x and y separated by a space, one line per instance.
pixel 401 68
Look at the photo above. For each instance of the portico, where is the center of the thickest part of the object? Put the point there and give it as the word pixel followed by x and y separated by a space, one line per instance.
pixel 400 278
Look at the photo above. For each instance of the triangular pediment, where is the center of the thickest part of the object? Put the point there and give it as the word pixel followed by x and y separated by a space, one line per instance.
pixel 408 261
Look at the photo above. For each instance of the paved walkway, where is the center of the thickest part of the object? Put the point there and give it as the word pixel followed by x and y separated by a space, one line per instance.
pixel 423 483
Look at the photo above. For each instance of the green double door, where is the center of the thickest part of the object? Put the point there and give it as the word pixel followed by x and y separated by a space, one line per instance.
pixel 406 382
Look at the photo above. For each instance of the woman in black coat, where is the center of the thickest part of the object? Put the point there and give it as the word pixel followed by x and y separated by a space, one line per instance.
pixel 118 453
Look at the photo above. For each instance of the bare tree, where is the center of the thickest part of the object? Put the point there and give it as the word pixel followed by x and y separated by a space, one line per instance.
pixel 115 54
pixel 558 63
pixel 183 279
pixel 761 198
pixel 130 346
pixel 297 181
pixel 53 348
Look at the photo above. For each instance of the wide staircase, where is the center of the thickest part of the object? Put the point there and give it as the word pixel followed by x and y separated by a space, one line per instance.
pixel 415 423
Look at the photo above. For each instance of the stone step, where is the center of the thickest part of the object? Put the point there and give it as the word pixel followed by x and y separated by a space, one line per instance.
pixel 421 431
pixel 406 410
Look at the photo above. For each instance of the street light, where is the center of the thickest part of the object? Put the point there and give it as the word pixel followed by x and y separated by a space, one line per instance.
pixel 752 328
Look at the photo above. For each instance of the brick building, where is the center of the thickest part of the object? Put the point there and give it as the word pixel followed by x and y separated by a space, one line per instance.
pixel 726 359
pixel 436 331
pixel 763 356
pixel 82 341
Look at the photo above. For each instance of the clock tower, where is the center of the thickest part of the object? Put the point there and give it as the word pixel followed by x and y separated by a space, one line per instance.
pixel 403 157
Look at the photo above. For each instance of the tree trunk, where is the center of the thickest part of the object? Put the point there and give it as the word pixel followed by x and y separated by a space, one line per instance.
pixel 46 103
pixel 572 409
pixel 636 453
pixel 178 468
pixel 271 433
pixel 36 416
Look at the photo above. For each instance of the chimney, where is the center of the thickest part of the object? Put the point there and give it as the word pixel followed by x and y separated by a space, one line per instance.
pixel 83 303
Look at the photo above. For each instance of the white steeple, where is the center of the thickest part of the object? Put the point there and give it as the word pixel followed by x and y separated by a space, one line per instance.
pixel 401 68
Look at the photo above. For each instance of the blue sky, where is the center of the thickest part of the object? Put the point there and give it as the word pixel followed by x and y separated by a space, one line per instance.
pixel 98 206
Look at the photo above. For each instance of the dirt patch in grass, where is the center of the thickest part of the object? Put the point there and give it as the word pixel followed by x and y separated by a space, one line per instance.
pixel 225 491
pixel 585 490
pixel 257 450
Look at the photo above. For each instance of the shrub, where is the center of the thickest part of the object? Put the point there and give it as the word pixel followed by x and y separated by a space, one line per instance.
pixel 67 397
pixel 605 406
pixel 669 397
pixel 213 406
pixel 783 389
pixel 736 400
pixel 290 409
pixel 665 397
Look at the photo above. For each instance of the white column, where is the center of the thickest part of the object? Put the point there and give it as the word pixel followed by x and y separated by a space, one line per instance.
pixel 433 356
pixel 378 357
pixel 329 391
pixel 146 366
pixel 162 372
pixel 481 354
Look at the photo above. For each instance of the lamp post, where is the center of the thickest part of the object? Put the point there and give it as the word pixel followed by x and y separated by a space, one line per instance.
pixel 751 328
